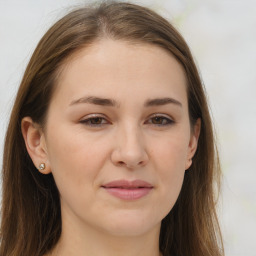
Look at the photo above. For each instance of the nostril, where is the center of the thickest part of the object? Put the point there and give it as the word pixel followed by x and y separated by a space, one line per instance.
pixel 121 163
pixel 130 165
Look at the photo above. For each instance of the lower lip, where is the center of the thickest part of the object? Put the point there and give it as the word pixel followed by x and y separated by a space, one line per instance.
pixel 128 194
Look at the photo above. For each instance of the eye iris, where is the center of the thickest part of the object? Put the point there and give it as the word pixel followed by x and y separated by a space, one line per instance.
pixel 96 120
pixel 157 120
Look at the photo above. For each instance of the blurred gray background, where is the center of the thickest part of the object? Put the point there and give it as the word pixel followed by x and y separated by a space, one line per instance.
pixel 222 37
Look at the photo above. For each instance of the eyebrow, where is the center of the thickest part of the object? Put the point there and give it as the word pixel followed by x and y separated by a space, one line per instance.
pixel 96 101
pixel 161 101
pixel 112 103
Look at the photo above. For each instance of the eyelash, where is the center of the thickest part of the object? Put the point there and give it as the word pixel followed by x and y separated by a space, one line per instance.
pixel 89 120
pixel 167 121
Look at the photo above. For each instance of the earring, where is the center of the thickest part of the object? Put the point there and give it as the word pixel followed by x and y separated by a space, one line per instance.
pixel 42 166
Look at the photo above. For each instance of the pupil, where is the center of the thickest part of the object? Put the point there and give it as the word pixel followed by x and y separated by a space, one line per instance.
pixel 96 120
pixel 157 120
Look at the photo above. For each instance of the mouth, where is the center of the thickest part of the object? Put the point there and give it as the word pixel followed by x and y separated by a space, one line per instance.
pixel 128 190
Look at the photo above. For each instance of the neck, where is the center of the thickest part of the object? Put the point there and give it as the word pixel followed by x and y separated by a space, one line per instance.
pixel 83 240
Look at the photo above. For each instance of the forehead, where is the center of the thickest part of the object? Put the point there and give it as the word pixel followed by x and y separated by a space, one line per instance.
pixel 117 67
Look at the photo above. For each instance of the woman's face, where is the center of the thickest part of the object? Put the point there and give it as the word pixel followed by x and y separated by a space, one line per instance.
pixel 118 138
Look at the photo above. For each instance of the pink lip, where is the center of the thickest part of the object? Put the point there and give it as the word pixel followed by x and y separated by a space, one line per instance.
pixel 128 190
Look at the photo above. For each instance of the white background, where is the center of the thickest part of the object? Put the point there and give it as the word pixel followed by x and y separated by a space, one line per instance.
pixel 222 37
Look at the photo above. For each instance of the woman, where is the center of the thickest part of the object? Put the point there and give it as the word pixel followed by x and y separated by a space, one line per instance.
pixel 110 149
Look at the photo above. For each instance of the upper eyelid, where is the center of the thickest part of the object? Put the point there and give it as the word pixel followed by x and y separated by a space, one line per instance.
pixel 103 116
pixel 95 115
pixel 87 119
pixel 151 115
pixel 161 115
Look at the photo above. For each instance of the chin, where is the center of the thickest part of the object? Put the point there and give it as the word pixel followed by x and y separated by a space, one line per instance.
pixel 131 225
pixel 129 231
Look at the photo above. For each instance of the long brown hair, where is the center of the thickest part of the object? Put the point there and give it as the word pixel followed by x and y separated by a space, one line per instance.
pixel 31 218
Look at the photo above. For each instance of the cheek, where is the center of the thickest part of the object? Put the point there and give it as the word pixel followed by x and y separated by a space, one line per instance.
pixel 171 154
pixel 76 163
pixel 75 158
pixel 170 163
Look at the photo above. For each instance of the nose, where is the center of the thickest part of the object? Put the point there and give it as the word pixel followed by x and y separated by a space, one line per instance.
pixel 129 149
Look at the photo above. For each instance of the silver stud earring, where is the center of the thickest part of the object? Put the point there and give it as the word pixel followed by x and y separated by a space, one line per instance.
pixel 42 166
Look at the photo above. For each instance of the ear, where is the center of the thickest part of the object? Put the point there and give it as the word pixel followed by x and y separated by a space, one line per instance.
pixel 193 142
pixel 35 143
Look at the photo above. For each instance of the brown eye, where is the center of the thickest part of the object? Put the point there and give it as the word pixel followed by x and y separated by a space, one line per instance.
pixel 160 121
pixel 94 121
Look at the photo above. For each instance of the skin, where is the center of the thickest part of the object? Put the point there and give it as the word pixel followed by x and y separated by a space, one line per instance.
pixel 126 141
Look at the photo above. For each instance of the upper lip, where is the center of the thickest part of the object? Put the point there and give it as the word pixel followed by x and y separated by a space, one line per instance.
pixel 128 184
